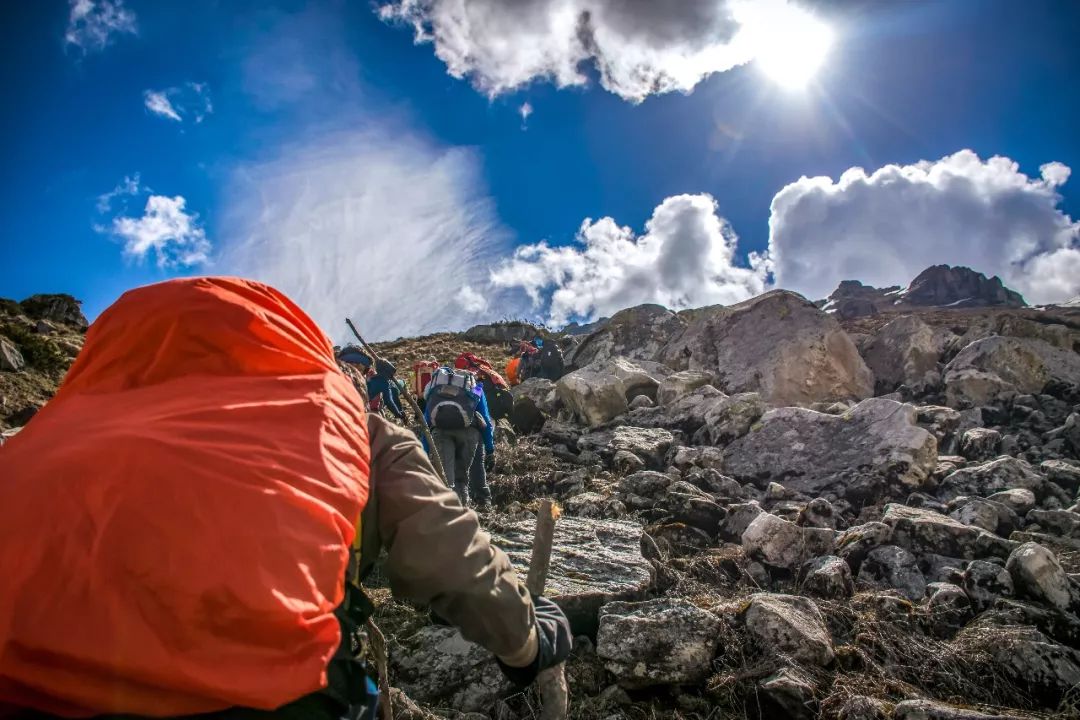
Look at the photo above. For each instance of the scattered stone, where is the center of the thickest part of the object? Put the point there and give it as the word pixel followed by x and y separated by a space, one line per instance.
pixel 641 401
pixel 702 457
pixel 986 514
pixel 980 443
pixel 625 461
pixel 827 577
pixel 809 451
pixel 855 543
pixel 789 625
pixel 1057 522
pixel 647 483
pixel 892 567
pixel 658 642
pixel 1045 669
pixel 789 693
pixel 1003 473
pixel 439 667
pixel 819 513
pixel 984 582
pixel 1062 473
pixel 1037 574
pixel 681 383
pixel 774 541
pixel 1019 500
pixel 731 418
pixel 941 421
pixel 738 519
pixel 949 607
pixel 925 531
pixel 649 444
pixel 861 707
pixel 10 357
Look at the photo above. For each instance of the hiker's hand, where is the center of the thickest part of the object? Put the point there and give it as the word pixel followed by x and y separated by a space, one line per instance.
pixel 554 642
pixel 489 461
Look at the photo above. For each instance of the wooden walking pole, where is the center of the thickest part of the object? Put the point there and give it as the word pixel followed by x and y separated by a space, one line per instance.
pixel 434 451
pixel 554 693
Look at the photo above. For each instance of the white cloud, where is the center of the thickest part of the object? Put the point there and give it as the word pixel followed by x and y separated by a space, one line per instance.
pixel 93 23
pixel 380 227
pixel 883 228
pixel 471 301
pixel 638 47
pixel 190 100
pixel 166 228
pixel 130 186
pixel 684 259
pixel 525 111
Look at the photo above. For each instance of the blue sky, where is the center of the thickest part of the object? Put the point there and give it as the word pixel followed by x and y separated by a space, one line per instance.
pixel 319 148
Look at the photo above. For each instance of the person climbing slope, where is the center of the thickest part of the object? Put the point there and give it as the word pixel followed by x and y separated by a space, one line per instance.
pixel 456 411
pixel 382 387
pixel 183 527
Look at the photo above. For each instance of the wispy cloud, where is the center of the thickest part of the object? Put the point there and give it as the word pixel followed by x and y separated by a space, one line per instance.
pixel 190 100
pixel 387 228
pixel 525 111
pixel 166 230
pixel 130 186
pixel 92 24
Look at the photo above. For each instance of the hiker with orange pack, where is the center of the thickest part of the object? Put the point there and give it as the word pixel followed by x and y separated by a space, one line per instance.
pixel 184 527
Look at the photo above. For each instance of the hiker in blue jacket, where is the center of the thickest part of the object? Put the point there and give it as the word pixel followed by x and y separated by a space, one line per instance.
pixel 457 413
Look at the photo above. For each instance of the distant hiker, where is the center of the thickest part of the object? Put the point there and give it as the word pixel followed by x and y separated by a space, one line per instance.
pixel 457 413
pixel 382 389
pixel 550 361
pixel 423 371
pixel 193 549
pixel 496 389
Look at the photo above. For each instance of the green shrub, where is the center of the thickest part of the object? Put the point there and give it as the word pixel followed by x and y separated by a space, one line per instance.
pixel 39 353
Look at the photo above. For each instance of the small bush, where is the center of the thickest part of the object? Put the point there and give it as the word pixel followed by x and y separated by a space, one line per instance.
pixel 39 353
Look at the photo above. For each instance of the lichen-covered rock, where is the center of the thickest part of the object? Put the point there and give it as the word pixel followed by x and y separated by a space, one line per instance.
pixel 788 693
pixel 855 543
pixel 1037 574
pixel 1045 669
pixel 993 366
pixel 986 514
pixel 789 625
pixel 10 357
pixel 647 483
pixel 601 391
pixel 1063 523
pixel 984 582
pixel 637 333
pixel 732 417
pixel 925 531
pixel 437 666
pixel 774 541
pixel 809 451
pixel 1062 473
pixel 985 479
pixel 680 383
pixel 949 607
pixel 56 307
pixel 905 351
pixel 892 567
pixel 777 344
pixel 1019 500
pixel 829 577
pixel 667 641
pixel 739 517
pixel 980 443
pixel 592 562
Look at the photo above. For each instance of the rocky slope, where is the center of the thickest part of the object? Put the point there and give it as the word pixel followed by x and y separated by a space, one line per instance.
pixel 773 512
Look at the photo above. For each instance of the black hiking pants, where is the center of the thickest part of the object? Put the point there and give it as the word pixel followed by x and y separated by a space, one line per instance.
pixel 457 450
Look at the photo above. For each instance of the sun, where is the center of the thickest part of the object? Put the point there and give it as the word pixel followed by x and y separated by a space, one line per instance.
pixel 791 47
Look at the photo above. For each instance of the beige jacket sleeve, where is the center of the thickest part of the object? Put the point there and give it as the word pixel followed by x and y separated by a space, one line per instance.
pixel 438 555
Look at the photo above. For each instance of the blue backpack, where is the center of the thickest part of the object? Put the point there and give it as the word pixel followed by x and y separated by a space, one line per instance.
pixel 452 398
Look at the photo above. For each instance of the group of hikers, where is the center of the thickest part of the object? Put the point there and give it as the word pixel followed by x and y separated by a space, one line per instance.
pixel 185 527
pixel 460 402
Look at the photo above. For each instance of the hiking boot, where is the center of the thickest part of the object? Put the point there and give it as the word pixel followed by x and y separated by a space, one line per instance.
pixel 483 505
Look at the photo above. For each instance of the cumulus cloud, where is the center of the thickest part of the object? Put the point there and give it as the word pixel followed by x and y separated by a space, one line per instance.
pixel 638 47
pixel 392 231
pixel 167 230
pixel 92 24
pixel 685 258
pixel 190 100
pixel 885 227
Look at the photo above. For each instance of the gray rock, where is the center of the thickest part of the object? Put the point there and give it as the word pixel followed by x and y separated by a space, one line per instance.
pixel 980 443
pixel 855 543
pixel 738 519
pixel 1064 523
pixel 941 421
pixel 892 567
pixel 777 344
pixel 984 582
pixel 986 514
pixel 624 461
pixel 701 457
pixel 732 417
pixel 649 444
pixel 1065 474
pixel 774 541
pixel 925 531
pixel 668 641
pixel 437 666
pixel 994 366
pixel 1044 668
pixel 861 707
pixel 934 710
pixel 637 333
pixel 828 577
pixel 1071 431
pixel 905 351
pixel 949 607
pixel 1019 500
pixel 1037 574
pixel 789 625
pixel 641 402
pixel 647 483
pixel 593 505
pixel 809 451
pixel 819 513
pixel 988 478
pixel 10 357
pixel 541 392
pixel 680 383
pixel 593 562
pixel 790 693
pixel 600 391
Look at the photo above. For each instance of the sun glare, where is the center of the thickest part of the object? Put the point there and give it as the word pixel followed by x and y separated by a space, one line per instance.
pixel 791 46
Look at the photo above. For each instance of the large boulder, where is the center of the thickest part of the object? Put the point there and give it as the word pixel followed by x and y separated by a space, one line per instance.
pixel 809 451
pixel 58 308
pixel 904 352
pixel 502 332
pixel 659 642
pixel 10 357
pixel 1046 670
pixel 995 366
pixel 986 479
pixel 593 562
pixel 637 333
pixel 924 531
pixel 602 390
pixel 1037 574
pixel 678 384
pixel 789 625
pixel 777 344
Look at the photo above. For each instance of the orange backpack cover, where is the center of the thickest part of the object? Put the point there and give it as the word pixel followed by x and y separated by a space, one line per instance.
pixel 512 370
pixel 175 524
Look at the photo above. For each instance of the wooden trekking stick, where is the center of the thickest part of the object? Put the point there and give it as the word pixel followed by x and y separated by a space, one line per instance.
pixel 554 693
pixel 436 460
